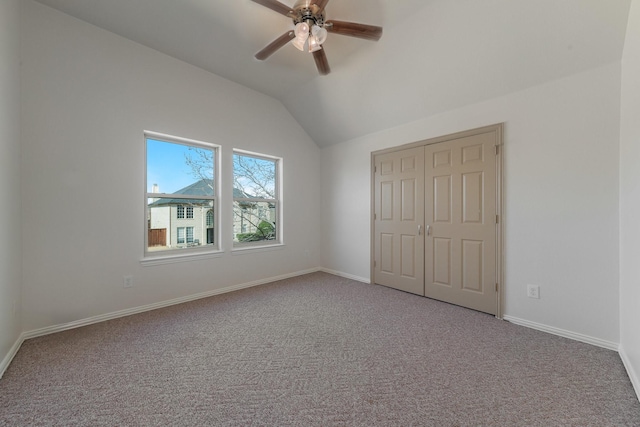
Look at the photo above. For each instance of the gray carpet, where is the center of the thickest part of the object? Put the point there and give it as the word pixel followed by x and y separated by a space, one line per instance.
pixel 316 350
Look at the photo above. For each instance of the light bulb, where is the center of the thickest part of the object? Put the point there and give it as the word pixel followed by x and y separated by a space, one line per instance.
pixel 299 43
pixel 313 44
pixel 320 33
pixel 302 29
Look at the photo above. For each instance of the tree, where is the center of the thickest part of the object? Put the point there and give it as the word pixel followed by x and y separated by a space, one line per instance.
pixel 254 192
pixel 200 161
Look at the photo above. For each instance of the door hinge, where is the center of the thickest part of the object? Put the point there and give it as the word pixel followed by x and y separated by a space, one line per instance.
pixel 497 219
pixel 375 169
pixel 375 216
pixel 497 287
pixel 374 263
pixel 497 149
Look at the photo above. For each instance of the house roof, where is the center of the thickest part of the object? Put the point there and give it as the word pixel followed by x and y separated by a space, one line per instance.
pixel 203 187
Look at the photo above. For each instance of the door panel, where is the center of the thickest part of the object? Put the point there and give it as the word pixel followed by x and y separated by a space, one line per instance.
pixel 442 261
pixel 386 253
pixel 472 251
pixel 442 199
pixel 408 200
pixel 460 197
pixel 407 256
pixel 472 197
pixel 399 210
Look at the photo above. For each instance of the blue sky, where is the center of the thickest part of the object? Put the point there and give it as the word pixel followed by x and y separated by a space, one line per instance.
pixel 166 166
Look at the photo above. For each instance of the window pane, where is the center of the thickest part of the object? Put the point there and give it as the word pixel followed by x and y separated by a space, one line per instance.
pixel 254 221
pixel 254 177
pixel 166 232
pixel 172 167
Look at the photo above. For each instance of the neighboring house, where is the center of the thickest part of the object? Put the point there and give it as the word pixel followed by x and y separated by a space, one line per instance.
pixel 180 223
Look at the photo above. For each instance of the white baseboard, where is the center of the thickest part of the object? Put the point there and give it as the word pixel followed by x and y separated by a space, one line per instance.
pixel 563 333
pixel 346 275
pixel 135 310
pixel 128 312
pixel 12 353
pixel 633 375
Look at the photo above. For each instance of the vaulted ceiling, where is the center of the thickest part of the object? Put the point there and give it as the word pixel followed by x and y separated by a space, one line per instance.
pixel 434 55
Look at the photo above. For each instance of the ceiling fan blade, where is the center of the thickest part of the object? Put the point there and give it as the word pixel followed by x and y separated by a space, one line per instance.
pixel 352 29
pixel 320 3
pixel 321 62
pixel 275 5
pixel 272 47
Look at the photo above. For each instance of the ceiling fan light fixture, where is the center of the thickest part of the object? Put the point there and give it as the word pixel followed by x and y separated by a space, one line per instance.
pixel 320 33
pixel 311 30
pixel 302 34
pixel 299 43
pixel 302 30
pixel 314 44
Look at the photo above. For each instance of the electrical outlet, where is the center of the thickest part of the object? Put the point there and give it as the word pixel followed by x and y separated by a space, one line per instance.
pixel 127 281
pixel 533 291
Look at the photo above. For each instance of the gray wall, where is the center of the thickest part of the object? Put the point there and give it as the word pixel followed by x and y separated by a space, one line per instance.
pixel 630 199
pixel 11 241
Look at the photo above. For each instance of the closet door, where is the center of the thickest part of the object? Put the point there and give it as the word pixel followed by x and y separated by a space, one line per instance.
pixel 398 220
pixel 460 219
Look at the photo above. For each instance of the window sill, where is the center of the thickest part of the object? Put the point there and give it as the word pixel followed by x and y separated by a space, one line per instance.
pixel 249 249
pixel 182 257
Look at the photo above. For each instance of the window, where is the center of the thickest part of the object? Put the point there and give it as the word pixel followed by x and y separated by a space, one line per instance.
pixel 181 184
pixel 189 233
pixel 256 199
pixel 210 234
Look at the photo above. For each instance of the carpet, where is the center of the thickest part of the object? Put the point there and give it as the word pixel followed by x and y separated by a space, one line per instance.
pixel 314 350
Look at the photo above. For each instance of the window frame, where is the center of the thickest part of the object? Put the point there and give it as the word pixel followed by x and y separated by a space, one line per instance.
pixel 260 244
pixel 187 252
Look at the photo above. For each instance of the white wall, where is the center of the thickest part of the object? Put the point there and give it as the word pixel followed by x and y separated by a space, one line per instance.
pixel 87 96
pixel 561 198
pixel 630 199
pixel 11 242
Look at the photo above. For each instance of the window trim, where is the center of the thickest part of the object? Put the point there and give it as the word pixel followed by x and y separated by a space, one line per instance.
pixel 278 201
pixel 194 252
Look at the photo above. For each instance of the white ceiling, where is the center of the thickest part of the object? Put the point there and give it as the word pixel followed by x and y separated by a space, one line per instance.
pixel 434 55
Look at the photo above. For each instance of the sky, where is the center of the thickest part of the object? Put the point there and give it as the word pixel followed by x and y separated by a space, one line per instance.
pixel 166 166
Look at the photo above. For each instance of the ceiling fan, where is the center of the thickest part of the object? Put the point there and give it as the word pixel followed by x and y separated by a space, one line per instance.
pixel 311 30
